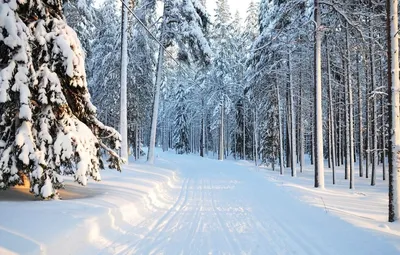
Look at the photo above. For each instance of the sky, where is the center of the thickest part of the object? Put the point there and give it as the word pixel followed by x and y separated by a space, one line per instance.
pixel 240 5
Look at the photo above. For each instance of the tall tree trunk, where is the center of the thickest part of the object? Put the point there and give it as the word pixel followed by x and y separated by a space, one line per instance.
pixel 319 154
pixel 301 129
pixel 350 96
pixel 124 69
pixel 383 123
pixel 383 136
pixel 281 166
pixel 156 101
pixel 374 110
pixel 368 124
pixel 394 117
pixel 293 154
pixel 339 131
pixel 331 115
pixel 360 121
pixel 347 124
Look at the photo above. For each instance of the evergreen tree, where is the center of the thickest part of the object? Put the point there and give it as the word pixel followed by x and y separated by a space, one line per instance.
pixel 48 124
pixel 181 133
pixel 104 66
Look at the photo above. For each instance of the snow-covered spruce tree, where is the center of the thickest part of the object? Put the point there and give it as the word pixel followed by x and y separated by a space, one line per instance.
pixel 48 125
pixel 104 66
pixel 270 133
pixel 181 133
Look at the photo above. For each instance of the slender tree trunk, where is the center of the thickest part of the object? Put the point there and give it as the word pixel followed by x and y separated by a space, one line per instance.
pixel 124 69
pixel 394 117
pixel 383 138
pixel 156 102
pixel 383 123
pixel 368 131
pixel 350 96
pixel 292 121
pixel 281 166
pixel 340 136
pixel 255 137
pixel 329 142
pixel 374 110
pixel 319 154
pixel 140 139
pixel 203 132
pixel 221 133
pixel 360 121
pixel 244 128
pixel 347 124
pixel 136 142
pixel 301 130
pixel 331 115
pixel 165 134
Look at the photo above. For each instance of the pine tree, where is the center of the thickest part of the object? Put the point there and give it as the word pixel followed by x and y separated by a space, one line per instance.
pixel 48 124
pixel 181 133
pixel 104 66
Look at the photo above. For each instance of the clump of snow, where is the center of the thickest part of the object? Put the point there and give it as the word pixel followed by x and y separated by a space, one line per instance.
pixel 47 188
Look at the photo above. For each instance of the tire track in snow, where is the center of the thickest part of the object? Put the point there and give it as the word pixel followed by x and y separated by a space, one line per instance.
pixel 148 242
pixel 230 240
pixel 124 247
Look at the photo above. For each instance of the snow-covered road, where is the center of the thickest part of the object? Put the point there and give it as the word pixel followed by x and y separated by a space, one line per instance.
pixel 223 208
pixel 206 207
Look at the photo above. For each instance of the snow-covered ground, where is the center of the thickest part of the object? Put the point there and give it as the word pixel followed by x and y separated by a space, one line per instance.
pixel 191 205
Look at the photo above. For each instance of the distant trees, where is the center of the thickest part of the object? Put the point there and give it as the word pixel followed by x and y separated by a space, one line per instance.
pixel 183 26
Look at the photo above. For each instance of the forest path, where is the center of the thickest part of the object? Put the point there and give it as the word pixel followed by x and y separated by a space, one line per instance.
pixel 225 208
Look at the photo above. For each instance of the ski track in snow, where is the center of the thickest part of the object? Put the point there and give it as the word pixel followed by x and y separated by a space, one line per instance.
pixel 212 207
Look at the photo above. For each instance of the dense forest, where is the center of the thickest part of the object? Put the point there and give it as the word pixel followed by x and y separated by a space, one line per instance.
pixel 292 80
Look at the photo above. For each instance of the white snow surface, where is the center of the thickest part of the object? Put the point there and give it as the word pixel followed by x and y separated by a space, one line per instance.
pixel 184 204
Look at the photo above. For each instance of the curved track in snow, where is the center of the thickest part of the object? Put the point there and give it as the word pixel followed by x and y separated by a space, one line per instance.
pixel 222 208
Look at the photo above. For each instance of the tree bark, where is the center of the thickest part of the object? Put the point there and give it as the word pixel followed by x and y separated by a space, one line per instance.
pixel 293 154
pixel 360 122
pixel 394 117
pixel 281 163
pixel 124 69
pixel 374 108
pixel 350 121
pixel 319 154
pixel 331 117
pixel 156 102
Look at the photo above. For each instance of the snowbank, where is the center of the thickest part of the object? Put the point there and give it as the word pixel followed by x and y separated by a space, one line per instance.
pixel 87 218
